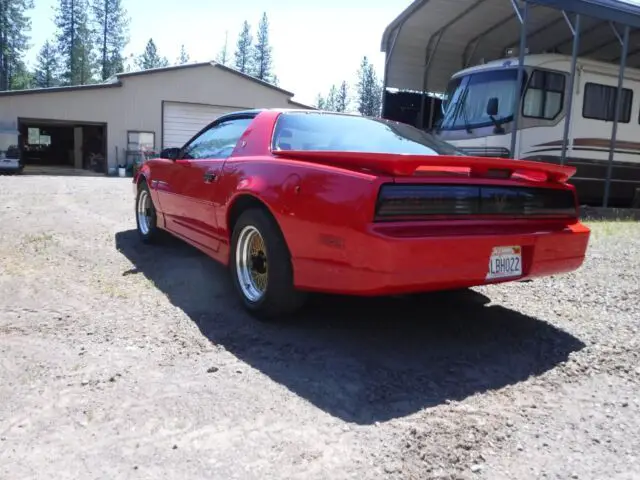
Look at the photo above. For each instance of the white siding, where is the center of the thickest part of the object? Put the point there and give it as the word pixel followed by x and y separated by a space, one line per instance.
pixel 181 121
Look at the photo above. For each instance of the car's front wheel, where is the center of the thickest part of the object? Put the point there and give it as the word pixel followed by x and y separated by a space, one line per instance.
pixel 146 217
pixel 261 267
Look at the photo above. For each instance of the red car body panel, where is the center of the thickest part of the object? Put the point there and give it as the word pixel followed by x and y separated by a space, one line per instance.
pixel 324 204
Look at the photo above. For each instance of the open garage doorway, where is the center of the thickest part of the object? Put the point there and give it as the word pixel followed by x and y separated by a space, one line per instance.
pixel 62 146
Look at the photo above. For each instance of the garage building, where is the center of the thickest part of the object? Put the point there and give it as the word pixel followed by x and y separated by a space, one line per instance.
pixel 98 127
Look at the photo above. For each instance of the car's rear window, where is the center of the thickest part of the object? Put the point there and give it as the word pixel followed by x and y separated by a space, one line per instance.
pixel 322 131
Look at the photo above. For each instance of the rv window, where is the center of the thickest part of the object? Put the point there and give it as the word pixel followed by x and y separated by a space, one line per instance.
pixel 600 103
pixel 544 95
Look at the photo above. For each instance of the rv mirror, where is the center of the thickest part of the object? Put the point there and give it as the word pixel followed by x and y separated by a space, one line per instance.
pixel 492 107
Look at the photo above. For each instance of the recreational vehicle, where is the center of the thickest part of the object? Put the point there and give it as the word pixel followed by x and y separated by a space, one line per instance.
pixel 477 116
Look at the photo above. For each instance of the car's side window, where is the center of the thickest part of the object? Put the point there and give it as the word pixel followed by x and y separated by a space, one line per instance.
pixel 218 141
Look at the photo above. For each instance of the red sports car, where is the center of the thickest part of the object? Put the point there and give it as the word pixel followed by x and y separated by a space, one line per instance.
pixel 296 201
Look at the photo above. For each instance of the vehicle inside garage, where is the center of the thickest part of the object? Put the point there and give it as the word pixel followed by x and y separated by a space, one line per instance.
pixel 63 145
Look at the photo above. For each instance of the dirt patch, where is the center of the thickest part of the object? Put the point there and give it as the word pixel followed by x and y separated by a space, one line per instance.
pixel 120 360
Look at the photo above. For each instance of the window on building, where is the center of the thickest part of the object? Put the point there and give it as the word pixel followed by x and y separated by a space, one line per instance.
pixel 600 103
pixel 544 95
pixel 36 136
pixel 141 140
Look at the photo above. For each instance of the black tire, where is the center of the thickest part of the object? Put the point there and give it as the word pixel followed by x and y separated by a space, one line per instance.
pixel 153 232
pixel 280 299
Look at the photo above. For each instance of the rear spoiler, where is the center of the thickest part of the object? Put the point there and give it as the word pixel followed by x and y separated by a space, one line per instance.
pixel 405 165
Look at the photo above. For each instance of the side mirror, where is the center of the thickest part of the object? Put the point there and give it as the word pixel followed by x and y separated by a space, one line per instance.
pixel 492 107
pixel 170 153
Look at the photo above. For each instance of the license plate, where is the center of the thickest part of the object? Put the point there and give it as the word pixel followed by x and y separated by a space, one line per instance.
pixel 505 262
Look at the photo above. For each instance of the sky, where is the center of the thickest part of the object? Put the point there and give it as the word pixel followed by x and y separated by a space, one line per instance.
pixel 316 43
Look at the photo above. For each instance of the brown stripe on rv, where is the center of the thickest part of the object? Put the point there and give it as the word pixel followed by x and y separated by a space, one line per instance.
pixel 594 142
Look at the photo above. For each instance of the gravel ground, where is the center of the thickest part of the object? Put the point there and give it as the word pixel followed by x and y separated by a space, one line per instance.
pixel 118 360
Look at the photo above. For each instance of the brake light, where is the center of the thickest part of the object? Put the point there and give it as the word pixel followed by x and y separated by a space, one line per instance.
pixel 428 201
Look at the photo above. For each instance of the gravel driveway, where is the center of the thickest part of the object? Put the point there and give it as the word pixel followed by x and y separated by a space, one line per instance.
pixel 119 360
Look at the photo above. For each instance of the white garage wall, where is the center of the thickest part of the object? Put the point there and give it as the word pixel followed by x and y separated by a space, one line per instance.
pixel 181 121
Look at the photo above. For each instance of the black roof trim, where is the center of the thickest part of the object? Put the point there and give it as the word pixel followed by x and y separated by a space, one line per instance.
pixel 253 79
pixel 119 76
pixel 302 105
pixel 71 88
pixel 170 68
pixel 205 64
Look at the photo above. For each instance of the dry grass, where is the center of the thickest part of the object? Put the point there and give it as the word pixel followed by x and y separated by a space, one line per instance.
pixel 613 228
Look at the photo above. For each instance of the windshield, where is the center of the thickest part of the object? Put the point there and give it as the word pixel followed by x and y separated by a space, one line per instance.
pixel 466 98
pixel 9 145
pixel 319 131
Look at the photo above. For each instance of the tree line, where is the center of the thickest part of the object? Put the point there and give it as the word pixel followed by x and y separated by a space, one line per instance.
pixel 367 96
pixel 89 42
pixel 87 46
pixel 252 58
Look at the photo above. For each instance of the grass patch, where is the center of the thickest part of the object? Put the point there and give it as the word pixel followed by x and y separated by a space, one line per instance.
pixel 38 242
pixel 124 287
pixel 610 228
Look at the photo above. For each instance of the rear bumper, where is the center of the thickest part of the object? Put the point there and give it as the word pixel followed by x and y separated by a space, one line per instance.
pixel 390 262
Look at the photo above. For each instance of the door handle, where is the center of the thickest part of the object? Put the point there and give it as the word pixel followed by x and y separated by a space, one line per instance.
pixel 209 177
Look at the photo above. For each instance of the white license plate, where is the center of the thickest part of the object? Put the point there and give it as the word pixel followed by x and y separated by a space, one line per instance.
pixel 505 262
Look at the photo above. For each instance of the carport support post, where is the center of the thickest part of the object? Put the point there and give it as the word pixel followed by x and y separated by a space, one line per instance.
pixel 522 16
pixel 614 130
pixel 428 57
pixel 387 61
pixel 575 29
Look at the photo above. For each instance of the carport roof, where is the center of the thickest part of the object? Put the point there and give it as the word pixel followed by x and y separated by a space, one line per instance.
pixel 472 31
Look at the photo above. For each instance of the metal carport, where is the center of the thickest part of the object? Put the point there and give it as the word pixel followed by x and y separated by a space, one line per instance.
pixel 432 39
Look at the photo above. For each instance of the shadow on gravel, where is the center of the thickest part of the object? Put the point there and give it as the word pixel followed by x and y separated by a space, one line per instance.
pixel 360 360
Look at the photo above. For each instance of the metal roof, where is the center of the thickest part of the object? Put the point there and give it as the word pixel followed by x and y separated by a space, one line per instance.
pixel 116 80
pixel 468 32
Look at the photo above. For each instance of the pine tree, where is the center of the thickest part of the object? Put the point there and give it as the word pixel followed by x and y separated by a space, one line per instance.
pixel 46 71
pixel 112 31
pixel 262 56
pixel 332 99
pixel 342 98
pixel 243 49
pixel 337 100
pixel 369 90
pixel 20 77
pixel 129 63
pixel 150 58
pixel 15 26
pixel 75 42
pixel 86 55
pixel 223 56
pixel 183 57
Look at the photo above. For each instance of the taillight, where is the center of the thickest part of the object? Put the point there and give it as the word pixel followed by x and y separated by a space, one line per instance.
pixel 395 201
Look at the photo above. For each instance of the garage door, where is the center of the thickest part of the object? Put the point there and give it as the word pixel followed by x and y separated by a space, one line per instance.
pixel 181 121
